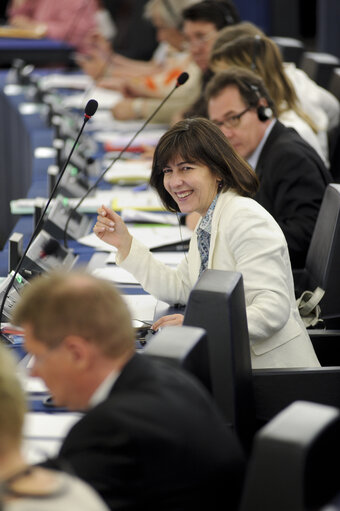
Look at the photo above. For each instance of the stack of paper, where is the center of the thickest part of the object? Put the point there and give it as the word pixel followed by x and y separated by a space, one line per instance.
pixel 129 172
pixel 152 237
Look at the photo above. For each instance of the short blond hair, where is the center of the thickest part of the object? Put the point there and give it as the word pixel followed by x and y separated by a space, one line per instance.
pixel 59 304
pixel 12 403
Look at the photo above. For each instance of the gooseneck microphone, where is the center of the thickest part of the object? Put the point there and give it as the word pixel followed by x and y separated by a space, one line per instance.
pixel 51 246
pixel 181 80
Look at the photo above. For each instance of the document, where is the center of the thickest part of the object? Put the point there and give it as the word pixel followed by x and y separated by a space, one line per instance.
pixel 114 141
pixel 152 217
pixel 115 274
pixel 106 98
pixel 152 237
pixel 169 258
pixel 44 432
pixel 65 81
pixel 129 172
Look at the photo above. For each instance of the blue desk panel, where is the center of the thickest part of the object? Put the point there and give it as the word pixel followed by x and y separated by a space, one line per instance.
pixel 34 51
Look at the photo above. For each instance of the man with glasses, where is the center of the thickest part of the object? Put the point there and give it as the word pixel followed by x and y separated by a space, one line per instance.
pixel 292 176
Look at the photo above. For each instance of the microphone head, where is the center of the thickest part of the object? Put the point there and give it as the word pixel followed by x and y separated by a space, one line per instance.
pixel 50 247
pixel 183 77
pixel 91 108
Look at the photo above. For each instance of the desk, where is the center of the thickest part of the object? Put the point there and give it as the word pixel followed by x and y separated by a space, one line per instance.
pixel 34 51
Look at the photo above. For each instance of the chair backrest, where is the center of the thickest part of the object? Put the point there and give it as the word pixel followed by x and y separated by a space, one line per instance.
pixel 319 66
pixel 292 464
pixel 181 346
pixel 291 49
pixel 323 258
pixel 217 304
pixel 334 83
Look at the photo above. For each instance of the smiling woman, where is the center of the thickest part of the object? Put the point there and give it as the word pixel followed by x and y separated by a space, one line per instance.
pixel 196 169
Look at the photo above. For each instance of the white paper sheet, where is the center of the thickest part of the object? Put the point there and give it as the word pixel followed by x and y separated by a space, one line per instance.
pixel 169 258
pixel 115 274
pixel 106 98
pixel 142 307
pixel 65 81
pixel 151 237
pixel 129 171
pixel 152 217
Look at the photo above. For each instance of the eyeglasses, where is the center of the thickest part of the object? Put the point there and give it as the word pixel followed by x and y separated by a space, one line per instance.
pixel 233 121
pixel 199 40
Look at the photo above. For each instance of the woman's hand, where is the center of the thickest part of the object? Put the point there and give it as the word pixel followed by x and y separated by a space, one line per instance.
pixel 171 320
pixel 112 229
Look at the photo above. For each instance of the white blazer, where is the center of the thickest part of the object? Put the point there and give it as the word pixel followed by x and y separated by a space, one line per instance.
pixel 244 238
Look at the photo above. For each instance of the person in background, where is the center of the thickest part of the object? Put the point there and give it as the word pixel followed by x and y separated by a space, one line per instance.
pixel 135 36
pixel 261 55
pixel 144 83
pixel 24 487
pixel 201 25
pixel 195 169
pixel 150 437
pixel 71 22
pixel 143 91
pixel 319 104
pixel 292 176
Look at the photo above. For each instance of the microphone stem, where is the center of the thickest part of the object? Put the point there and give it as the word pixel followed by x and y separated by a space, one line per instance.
pixel 73 210
pixel 40 221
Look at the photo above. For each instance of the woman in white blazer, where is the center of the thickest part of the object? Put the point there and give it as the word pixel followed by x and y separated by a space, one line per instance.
pixel 196 169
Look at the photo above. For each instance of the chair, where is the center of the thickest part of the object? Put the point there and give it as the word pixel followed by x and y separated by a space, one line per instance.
pixel 319 66
pixel 291 49
pixel 323 258
pixel 334 84
pixel 292 463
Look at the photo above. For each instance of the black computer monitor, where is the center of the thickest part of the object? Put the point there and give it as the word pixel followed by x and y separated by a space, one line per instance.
pixel 217 305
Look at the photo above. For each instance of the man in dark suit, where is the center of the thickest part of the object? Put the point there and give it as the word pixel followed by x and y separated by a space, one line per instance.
pixel 292 176
pixel 151 437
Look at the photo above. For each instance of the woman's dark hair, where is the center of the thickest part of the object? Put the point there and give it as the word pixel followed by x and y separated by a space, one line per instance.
pixel 198 140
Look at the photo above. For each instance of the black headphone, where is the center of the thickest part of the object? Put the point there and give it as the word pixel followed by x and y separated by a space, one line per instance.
pixel 227 14
pixel 263 112
pixel 226 11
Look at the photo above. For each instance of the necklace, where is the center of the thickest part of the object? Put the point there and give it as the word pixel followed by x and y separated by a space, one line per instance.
pixel 7 490
pixel 22 473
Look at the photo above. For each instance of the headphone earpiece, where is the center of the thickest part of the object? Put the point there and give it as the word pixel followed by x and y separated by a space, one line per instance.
pixel 264 113
pixel 226 11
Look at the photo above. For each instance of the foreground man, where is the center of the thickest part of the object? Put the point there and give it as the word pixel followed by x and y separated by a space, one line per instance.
pixel 150 437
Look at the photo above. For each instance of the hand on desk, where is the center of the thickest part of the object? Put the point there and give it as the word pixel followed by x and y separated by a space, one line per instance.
pixel 171 320
pixel 112 229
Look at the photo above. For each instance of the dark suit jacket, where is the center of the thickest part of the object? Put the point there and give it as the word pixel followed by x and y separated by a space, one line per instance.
pixel 293 179
pixel 156 443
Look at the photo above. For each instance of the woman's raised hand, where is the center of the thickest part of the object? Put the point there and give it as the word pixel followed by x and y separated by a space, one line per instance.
pixel 112 229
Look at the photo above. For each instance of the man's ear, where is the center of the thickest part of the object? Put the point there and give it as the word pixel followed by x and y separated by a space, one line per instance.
pixel 78 350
